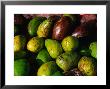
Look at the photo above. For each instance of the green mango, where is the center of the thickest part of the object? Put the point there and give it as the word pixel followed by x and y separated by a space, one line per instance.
pixel 53 47
pixel 47 69
pixel 43 57
pixel 67 60
pixel 87 66
pixel 20 54
pixel 69 43
pixel 21 67
pixel 93 48
pixel 34 24
pixel 35 44
pixel 44 28
pixel 19 43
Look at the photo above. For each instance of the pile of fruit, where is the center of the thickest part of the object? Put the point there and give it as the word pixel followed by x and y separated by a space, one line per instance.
pixel 55 44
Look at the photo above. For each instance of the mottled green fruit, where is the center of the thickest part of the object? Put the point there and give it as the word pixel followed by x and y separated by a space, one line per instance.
pixel 93 48
pixel 44 28
pixel 35 44
pixel 19 43
pixel 67 60
pixel 43 56
pixel 87 66
pixel 21 67
pixel 20 54
pixel 34 24
pixel 69 43
pixel 53 47
pixel 47 69
pixel 58 73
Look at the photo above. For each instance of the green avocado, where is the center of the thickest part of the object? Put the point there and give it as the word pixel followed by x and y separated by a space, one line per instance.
pixel 47 69
pixel 93 48
pixel 20 54
pixel 35 44
pixel 33 25
pixel 53 47
pixel 69 43
pixel 87 66
pixel 19 43
pixel 21 67
pixel 45 28
pixel 43 57
pixel 67 60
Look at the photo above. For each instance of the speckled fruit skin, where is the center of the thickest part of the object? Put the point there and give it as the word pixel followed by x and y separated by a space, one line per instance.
pixel 19 43
pixel 45 28
pixel 47 69
pixel 69 43
pixel 67 60
pixel 34 24
pixel 87 66
pixel 53 47
pixel 35 44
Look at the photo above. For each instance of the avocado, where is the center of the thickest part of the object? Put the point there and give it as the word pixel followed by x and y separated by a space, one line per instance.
pixel 45 28
pixel 69 43
pixel 87 66
pixel 53 47
pixel 67 60
pixel 35 44
pixel 21 67
pixel 47 69
pixel 34 24
pixel 19 43
pixel 43 56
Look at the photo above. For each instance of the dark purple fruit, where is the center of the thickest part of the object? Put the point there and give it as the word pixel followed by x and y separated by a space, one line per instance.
pixel 74 72
pixel 18 19
pixel 61 28
pixel 80 31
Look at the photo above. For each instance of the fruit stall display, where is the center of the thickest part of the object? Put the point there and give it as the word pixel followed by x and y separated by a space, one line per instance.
pixel 55 45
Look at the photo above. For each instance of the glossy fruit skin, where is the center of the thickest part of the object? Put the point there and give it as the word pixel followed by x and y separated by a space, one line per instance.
pixel 34 24
pixel 45 28
pixel 93 48
pixel 35 44
pixel 80 31
pixel 53 47
pixel 69 43
pixel 87 66
pixel 43 57
pixel 47 69
pixel 67 60
pixel 19 42
pixel 74 72
pixel 21 67
pixel 61 28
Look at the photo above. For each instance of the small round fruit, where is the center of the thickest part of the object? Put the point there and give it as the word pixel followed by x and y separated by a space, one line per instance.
pixel 43 57
pixel 69 43
pixel 47 69
pixel 87 66
pixel 35 44
pixel 19 43
pixel 21 67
